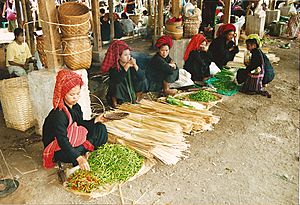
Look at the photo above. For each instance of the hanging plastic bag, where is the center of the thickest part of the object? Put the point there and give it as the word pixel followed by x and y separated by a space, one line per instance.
pixel 10 14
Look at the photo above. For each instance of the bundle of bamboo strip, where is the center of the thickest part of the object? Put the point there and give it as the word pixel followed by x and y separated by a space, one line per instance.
pixel 155 130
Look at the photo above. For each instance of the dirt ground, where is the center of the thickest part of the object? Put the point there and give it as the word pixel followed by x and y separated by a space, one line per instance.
pixel 251 156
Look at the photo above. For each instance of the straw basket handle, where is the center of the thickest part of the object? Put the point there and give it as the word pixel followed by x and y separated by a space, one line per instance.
pixel 100 102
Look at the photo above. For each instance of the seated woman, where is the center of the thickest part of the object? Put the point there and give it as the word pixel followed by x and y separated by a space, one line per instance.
pixel 18 55
pixel 105 27
pixel 223 48
pixel 162 69
pixel 127 81
pixel 127 24
pixel 258 72
pixel 66 136
pixel 196 58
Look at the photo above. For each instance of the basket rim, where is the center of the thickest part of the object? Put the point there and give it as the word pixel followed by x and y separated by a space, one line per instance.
pixel 72 3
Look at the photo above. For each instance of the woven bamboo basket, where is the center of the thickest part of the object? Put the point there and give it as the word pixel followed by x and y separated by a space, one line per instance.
pixel 77 52
pixel 40 48
pixel 174 29
pixel 191 26
pixel 76 17
pixel 16 105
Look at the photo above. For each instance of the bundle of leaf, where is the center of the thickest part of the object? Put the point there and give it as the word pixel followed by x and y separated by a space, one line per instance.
pixel 83 181
pixel 224 75
pixel 203 96
pixel 113 163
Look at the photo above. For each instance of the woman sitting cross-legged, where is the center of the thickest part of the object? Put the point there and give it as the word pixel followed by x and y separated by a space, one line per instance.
pixel 127 81
pixel 223 48
pixel 162 69
pixel 196 58
pixel 258 72
pixel 66 136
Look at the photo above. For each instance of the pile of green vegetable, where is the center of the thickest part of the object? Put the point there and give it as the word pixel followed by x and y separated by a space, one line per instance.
pixel 224 75
pixel 223 82
pixel 173 101
pixel 203 96
pixel 110 163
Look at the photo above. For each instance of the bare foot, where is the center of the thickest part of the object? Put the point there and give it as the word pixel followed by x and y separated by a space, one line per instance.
pixel 170 91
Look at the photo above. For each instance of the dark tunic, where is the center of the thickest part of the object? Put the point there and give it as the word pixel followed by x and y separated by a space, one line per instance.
pixel 219 51
pixel 105 29
pixel 56 124
pixel 258 59
pixel 123 85
pixel 159 70
pixel 209 12
pixel 198 65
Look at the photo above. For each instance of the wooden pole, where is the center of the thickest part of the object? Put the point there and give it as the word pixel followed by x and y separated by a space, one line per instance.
pixel 176 8
pixel 160 17
pixel 155 23
pixel 149 9
pixel 25 17
pixel 30 27
pixel 96 26
pixel 111 19
pixel 52 41
pixel 200 4
pixel 18 10
pixel 227 11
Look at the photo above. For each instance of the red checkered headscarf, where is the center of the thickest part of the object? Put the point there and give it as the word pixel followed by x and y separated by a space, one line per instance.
pixel 225 27
pixel 112 55
pixel 164 40
pixel 65 81
pixel 194 44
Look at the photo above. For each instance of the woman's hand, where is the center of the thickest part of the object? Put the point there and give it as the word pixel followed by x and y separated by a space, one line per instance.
pixel 100 118
pixel 83 163
pixel 132 61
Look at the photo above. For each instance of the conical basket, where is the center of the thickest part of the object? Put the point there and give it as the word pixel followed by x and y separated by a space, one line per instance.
pixel 75 16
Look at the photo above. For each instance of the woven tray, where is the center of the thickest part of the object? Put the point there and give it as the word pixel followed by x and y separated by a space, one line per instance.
pixel 16 105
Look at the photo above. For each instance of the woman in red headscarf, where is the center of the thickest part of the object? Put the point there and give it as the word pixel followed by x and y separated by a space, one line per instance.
pixel 127 81
pixel 224 48
pixel 66 136
pixel 162 69
pixel 197 60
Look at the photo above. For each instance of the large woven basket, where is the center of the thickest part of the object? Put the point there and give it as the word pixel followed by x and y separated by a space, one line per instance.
pixel 76 17
pixel 77 52
pixel 16 105
pixel 174 29
pixel 191 26
pixel 40 48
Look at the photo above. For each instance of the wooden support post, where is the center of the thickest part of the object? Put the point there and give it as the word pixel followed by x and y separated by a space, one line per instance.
pixel 227 11
pixel 176 8
pixel 25 17
pixel 111 19
pixel 52 41
pixel 155 23
pixel 149 9
pixel 96 26
pixel 160 17
pixel 18 10
pixel 200 4
pixel 30 27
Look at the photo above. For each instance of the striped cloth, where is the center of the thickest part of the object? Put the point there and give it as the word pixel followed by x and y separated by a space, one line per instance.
pixel 77 136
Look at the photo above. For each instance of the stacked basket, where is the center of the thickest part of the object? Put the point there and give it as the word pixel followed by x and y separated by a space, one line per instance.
pixel 174 29
pixel 77 50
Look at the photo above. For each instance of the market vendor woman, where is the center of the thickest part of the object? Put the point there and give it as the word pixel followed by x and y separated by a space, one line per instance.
pixel 66 136
pixel 224 48
pixel 127 81
pixel 162 69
